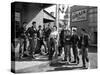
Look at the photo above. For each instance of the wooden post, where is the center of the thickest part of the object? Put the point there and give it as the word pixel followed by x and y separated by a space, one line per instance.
pixel 57 16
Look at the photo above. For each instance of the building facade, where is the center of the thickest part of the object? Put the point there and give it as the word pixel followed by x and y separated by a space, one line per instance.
pixel 85 17
pixel 29 12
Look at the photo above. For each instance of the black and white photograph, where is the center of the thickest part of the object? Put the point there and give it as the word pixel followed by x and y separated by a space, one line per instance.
pixel 48 37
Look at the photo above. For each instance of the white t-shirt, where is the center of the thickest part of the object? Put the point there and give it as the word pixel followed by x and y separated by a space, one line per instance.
pixel 54 34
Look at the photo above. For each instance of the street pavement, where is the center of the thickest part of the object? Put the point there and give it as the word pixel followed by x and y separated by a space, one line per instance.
pixel 41 64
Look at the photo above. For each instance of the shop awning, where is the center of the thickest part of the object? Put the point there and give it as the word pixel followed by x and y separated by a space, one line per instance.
pixel 48 17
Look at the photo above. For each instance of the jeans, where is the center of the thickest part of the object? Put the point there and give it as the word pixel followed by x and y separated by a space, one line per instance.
pixel 85 55
pixel 67 52
pixel 52 48
pixel 32 46
pixel 75 53
pixel 22 43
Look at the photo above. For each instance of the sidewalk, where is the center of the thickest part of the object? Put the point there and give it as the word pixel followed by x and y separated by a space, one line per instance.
pixel 39 65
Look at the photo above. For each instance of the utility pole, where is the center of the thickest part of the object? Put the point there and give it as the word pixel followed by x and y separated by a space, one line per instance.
pixel 57 16
pixel 68 16
pixel 57 24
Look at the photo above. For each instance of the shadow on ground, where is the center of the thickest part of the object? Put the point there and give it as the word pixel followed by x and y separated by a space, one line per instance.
pixel 37 58
pixel 65 68
pixel 60 66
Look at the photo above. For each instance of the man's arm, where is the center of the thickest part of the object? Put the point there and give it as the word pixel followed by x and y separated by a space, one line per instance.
pixel 27 32
pixel 71 39
pixel 77 38
pixel 89 37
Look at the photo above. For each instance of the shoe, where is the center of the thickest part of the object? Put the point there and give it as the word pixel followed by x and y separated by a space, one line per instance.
pixel 65 60
pixel 58 54
pixel 32 57
pixel 88 65
pixel 41 53
pixel 84 67
pixel 73 62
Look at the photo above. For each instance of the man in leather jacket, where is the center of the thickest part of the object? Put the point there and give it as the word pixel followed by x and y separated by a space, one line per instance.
pixel 32 33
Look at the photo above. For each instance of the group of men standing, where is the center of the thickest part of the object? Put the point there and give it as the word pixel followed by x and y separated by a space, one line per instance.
pixel 32 37
pixel 53 42
pixel 69 39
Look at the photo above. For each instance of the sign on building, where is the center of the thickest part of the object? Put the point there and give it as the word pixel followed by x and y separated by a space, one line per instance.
pixel 79 15
pixel 17 16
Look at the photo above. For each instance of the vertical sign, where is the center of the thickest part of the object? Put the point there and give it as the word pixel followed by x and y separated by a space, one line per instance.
pixel 17 16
